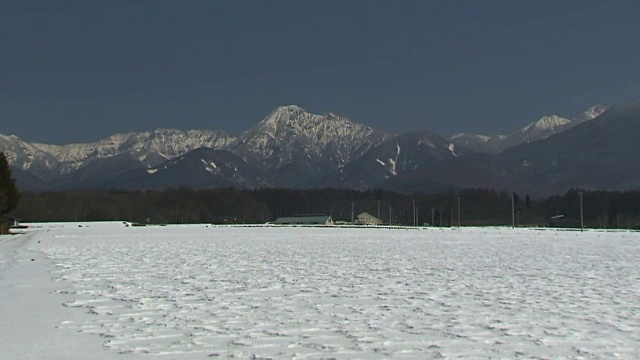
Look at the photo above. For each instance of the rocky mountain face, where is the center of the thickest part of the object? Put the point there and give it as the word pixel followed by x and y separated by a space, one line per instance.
pixel 145 149
pixel 537 130
pixel 301 146
pixel 293 148
pixel 296 147
pixel 404 153
pixel 200 168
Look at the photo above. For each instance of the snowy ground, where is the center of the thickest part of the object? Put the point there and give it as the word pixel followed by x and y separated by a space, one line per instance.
pixel 101 290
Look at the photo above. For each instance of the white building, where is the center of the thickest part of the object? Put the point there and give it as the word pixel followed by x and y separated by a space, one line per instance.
pixel 304 220
pixel 367 219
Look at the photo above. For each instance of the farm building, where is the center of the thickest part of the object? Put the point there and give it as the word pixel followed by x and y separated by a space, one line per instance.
pixel 367 219
pixel 304 220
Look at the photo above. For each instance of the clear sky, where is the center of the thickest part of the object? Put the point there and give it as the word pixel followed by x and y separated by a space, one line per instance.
pixel 75 71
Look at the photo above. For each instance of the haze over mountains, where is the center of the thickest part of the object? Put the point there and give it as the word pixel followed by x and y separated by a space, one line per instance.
pixel 293 148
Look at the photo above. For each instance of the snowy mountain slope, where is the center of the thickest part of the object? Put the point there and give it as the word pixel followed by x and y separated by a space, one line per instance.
pixel 96 171
pixel 597 154
pixel 404 153
pixel 477 142
pixel 589 114
pixel 146 148
pixel 296 145
pixel 200 168
pixel 29 158
pixel 537 130
pixel 541 129
pixel 299 146
pixel 293 148
pixel 601 153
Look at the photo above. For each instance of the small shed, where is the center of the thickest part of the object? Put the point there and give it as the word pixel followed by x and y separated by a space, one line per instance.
pixel 367 219
pixel 312 219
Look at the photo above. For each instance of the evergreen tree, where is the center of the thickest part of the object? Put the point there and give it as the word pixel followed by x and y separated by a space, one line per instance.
pixel 9 195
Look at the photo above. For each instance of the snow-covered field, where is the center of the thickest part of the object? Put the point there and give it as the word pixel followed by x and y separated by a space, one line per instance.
pixel 102 290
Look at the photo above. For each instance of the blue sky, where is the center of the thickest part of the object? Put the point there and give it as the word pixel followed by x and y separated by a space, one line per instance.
pixel 74 71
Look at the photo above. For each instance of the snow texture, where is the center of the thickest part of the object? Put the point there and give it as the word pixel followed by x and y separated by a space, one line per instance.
pixel 266 292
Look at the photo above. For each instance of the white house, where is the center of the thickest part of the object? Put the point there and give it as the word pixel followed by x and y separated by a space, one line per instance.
pixel 367 219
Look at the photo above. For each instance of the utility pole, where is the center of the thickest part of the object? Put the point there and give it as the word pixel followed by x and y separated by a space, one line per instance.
pixel 513 211
pixel 581 213
pixel 379 210
pixel 458 212
pixel 413 201
pixel 389 214
pixel 352 211
pixel 433 216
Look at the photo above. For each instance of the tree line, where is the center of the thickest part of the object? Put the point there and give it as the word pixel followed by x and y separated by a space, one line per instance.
pixel 9 194
pixel 478 207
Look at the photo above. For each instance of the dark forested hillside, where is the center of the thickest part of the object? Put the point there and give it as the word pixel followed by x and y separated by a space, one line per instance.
pixel 229 205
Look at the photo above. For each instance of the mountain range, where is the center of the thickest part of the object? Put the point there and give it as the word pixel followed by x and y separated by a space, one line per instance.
pixel 293 148
pixel 538 130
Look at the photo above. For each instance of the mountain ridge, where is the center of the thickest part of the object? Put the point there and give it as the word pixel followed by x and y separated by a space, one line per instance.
pixel 293 148
pixel 537 130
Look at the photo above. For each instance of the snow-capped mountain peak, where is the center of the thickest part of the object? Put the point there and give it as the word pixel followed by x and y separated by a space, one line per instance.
pixel 290 147
pixel 288 108
pixel 291 123
pixel 540 129
pixel 590 114
pixel 290 136
pixel 149 148
pixel 546 123
pixel 483 138
pixel 293 114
